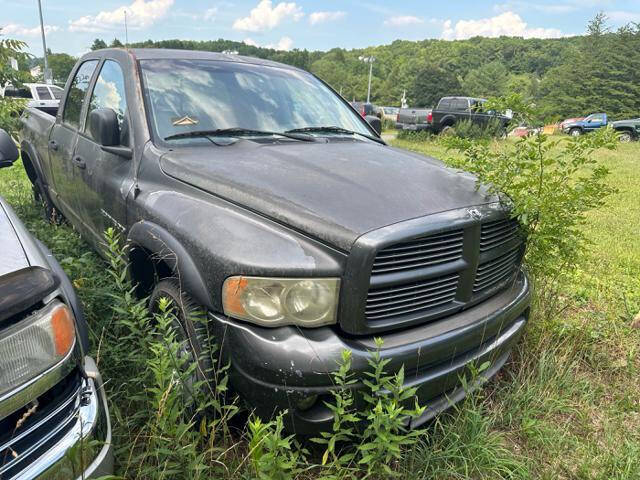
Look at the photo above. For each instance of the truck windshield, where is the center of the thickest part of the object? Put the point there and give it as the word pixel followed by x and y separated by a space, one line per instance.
pixel 200 95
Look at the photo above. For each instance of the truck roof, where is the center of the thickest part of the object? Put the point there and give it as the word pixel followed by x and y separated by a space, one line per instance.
pixel 168 53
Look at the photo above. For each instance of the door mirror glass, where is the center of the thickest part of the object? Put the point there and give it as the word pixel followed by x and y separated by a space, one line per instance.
pixel 8 150
pixel 375 123
pixel 104 128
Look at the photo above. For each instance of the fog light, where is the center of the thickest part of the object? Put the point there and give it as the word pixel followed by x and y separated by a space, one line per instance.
pixel 306 403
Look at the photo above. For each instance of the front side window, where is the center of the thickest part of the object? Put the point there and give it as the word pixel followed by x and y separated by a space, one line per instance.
pixel 77 91
pixel 461 105
pixel 109 92
pixel 196 95
pixel 43 93
pixel 56 92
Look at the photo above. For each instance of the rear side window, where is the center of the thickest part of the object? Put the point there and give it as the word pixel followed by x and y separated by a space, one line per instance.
pixel 17 92
pixel 445 104
pixel 460 105
pixel 43 93
pixel 109 92
pixel 77 91
pixel 57 92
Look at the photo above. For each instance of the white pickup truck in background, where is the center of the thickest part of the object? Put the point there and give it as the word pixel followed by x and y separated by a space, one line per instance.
pixel 40 95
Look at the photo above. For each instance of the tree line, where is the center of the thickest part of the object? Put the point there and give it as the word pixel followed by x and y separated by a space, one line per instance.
pixel 564 77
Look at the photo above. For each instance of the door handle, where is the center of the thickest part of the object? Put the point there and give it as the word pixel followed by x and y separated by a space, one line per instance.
pixel 53 145
pixel 79 162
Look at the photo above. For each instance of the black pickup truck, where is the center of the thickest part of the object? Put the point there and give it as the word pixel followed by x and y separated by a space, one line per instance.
pixel 52 401
pixel 451 110
pixel 253 190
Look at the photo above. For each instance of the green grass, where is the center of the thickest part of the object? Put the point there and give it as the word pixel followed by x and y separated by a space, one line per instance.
pixel 566 406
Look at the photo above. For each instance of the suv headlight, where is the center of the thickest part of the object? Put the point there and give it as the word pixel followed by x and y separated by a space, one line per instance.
pixel 272 302
pixel 35 344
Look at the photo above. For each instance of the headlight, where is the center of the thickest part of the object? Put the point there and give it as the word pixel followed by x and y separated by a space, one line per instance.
pixel 35 344
pixel 271 302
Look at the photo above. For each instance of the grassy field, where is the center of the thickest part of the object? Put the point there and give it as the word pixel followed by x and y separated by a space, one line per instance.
pixel 567 405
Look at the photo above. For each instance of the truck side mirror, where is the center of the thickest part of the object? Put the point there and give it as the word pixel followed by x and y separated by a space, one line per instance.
pixel 375 123
pixel 8 150
pixel 104 127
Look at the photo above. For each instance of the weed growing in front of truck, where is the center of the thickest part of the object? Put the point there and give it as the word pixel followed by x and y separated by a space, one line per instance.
pixel 549 193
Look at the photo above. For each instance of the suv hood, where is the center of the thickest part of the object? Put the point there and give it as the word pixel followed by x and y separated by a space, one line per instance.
pixel 334 191
pixel 13 256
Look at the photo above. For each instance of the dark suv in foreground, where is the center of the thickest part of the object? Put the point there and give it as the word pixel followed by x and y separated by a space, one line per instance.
pixel 54 422
pixel 252 190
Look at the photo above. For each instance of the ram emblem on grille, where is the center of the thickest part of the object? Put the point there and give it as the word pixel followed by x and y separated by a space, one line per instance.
pixel 474 213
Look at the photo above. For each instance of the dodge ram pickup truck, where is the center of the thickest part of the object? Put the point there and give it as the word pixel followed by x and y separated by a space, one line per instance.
pixel 51 396
pixel 451 110
pixel 252 190
pixel 586 125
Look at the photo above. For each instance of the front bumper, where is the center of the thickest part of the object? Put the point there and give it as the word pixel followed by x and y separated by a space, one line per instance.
pixel 85 451
pixel 278 369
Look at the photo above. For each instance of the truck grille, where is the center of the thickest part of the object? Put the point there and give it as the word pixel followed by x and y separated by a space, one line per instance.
pixel 419 253
pixel 411 298
pixel 50 420
pixel 498 232
pixel 495 271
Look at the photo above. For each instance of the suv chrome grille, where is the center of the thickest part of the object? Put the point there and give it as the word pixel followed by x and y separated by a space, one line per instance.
pixel 493 272
pixel 410 298
pixel 419 253
pixel 498 232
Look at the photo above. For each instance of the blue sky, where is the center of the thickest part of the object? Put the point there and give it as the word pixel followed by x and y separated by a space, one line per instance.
pixel 318 25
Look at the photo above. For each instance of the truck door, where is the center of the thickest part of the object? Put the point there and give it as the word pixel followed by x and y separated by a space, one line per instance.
pixel 62 141
pixel 104 179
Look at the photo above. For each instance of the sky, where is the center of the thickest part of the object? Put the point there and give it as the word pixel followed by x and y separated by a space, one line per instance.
pixel 71 25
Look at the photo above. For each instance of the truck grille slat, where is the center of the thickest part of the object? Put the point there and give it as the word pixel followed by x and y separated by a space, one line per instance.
pixel 404 299
pixel 498 232
pixel 495 271
pixel 420 253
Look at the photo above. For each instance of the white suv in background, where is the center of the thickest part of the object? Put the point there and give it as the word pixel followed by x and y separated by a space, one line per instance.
pixel 40 95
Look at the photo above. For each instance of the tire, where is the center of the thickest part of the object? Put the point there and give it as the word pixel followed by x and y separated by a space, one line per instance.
pixel 575 132
pixel 448 130
pixel 625 136
pixel 49 211
pixel 190 333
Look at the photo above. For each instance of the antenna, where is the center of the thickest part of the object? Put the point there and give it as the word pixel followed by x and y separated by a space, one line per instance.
pixel 126 32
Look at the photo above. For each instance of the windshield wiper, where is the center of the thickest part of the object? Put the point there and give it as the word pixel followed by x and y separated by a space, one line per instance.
pixel 237 132
pixel 334 129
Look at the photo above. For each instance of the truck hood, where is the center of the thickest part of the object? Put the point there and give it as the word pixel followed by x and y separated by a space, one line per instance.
pixel 334 191
pixel 13 256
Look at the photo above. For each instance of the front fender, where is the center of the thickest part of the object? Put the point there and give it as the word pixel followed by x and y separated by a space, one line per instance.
pixel 167 248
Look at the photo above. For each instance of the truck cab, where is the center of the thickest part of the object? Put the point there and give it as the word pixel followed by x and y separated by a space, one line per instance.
pixel 588 124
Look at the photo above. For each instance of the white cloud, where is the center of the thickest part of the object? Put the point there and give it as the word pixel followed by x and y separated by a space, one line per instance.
pixel 620 16
pixel 22 31
pixel 285 43
pixel 210 14
pixel 140 14
pixel 508 23
pixel 403 20
pixel 266 17
pixel 321 17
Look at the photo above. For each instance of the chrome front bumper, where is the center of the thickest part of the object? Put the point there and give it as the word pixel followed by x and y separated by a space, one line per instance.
pixel 85 451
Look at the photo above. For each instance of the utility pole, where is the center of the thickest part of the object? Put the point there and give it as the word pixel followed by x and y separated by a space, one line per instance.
pixel 47 78
pixel 370 61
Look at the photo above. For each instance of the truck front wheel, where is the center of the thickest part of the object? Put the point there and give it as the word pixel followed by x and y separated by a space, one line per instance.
pixel 625 136
pixel 575 132
pixel 189 328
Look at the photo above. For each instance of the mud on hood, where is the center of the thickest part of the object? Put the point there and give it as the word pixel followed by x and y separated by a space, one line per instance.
pixel 334 191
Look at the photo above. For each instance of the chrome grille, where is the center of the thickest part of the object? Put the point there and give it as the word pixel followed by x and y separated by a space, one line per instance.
pixel 419 253
pixel 414 297
pixel 498 232
pixel 492 272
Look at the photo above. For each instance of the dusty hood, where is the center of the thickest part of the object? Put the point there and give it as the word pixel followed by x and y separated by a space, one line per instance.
pixel 13 257
pixel 334 191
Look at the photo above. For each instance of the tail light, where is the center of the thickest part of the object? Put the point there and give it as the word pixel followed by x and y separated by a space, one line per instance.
pixel 430 117
pixel 397 118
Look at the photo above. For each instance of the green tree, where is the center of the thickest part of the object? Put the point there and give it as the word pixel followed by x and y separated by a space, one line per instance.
pixel 489 80
pixel 431 83
pixel 98 44
pixel 115 43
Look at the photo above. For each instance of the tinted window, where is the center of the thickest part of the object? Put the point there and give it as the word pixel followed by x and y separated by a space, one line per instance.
pixel 17 92
pixel 79 86
pixel 43 93
pixel 57 92
pixel 460 104
pixel 445 104
pixel 188 95
pixel 109 93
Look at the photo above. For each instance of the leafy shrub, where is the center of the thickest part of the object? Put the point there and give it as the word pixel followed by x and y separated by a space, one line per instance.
pixel 415 135
pixel 468 129
pixel 388 124
pixel 550 185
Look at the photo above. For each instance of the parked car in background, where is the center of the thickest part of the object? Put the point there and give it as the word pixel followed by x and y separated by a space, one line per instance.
pixel 296 229
pixel 568 121
pixel 414 119
pixel 39 95
pixel 629 129
pixel 586 125
pixel 365 109
pixel 451 110
pixel 390 113
pixel 52 400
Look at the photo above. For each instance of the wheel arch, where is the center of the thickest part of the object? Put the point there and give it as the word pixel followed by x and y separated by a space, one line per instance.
pixel 156 254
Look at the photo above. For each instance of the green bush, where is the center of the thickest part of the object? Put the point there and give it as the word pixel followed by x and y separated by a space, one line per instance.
pixel 415 135
pixel 470 130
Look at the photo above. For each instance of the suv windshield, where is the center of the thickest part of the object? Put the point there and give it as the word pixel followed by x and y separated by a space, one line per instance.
pixel 202 95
